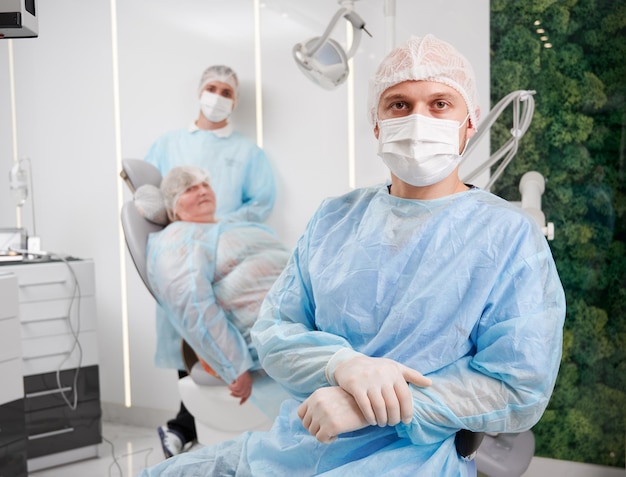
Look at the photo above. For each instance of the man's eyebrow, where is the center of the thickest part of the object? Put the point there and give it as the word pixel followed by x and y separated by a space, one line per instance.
pixel 394 96
pixel 443 95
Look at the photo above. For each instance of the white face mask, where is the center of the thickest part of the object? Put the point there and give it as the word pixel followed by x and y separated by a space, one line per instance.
pixel 419 150
pixel 214 107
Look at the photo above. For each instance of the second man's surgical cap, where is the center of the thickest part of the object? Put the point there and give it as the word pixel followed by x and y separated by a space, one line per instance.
pixel 220 73
pixel 425 59
pixel 177 181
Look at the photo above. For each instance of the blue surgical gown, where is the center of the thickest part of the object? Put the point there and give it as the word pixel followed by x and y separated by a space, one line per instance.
pixel 463 289
pixel 211 280
pixel 241 175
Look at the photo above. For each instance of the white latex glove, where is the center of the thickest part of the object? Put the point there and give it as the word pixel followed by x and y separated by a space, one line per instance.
pixel 329 412
pixel 379 386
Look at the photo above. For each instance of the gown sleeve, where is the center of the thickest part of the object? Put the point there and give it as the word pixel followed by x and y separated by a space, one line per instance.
pixel 291 349
pixel 506 385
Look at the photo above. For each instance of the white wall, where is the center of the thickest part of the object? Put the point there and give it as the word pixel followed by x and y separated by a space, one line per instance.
pixel 66 125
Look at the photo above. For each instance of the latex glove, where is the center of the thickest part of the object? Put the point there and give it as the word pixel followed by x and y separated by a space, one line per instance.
pixel 379 386
pixel 242 387
pixel 329 412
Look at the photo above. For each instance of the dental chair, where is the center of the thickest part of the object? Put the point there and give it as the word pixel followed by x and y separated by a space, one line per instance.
pixel 208 398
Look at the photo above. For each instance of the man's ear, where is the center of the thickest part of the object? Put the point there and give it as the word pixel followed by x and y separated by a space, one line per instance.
pixel 471 130
pixel 376 131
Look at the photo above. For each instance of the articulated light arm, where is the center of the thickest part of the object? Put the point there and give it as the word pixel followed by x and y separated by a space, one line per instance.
pixel 532 183
pixel 523 109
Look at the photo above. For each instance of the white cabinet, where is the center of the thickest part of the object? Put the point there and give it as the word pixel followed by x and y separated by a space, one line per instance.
pixel 12 422
pixel 10 350
pixel 59 358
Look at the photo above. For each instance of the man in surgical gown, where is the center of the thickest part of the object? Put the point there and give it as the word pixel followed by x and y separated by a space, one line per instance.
pixel 241 174
pixel 408 311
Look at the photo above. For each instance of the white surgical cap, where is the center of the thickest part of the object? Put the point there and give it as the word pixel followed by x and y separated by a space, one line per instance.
pixel 220 73
pixel 425 59
pixel 177 181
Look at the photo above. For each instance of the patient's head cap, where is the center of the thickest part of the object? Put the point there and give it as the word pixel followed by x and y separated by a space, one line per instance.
pixel 425 59
pixel 177 181
pixel 220 73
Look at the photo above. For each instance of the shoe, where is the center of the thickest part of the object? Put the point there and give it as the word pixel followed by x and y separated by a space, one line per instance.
pixel 171 441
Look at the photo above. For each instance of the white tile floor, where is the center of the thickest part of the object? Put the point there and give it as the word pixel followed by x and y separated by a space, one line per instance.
pixel 129 449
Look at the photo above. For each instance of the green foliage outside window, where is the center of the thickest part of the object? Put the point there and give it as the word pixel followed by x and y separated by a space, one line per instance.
pixel 577 140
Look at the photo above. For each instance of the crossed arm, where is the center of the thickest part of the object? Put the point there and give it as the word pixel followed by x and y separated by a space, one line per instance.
pixel 369 391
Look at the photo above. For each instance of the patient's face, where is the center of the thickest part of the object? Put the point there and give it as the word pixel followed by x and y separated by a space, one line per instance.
pixel 197 204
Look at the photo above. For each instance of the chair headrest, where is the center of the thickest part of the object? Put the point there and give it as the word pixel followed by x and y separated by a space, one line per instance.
pixel 137 172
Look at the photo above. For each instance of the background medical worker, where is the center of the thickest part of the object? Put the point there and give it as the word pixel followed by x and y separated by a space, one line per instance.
pixel 243 181
pixel 240 170
pixel 409 310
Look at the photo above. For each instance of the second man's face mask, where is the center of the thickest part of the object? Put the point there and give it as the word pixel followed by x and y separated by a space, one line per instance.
pixel 419 150
pixel 214 107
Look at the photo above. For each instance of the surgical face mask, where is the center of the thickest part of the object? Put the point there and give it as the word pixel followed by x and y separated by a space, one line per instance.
pixel 214 107
pixel 419 150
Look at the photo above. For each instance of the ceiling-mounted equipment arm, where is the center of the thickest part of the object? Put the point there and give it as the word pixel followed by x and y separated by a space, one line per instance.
pixel 301 47
pixel 523 109
pixel 532 184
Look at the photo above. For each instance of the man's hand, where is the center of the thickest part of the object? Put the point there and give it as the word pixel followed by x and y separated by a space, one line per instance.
pixel 242 387
pixel 329 412
pixel 379 386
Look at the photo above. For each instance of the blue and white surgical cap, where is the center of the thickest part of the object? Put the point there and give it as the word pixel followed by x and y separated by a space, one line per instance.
pixel 425 59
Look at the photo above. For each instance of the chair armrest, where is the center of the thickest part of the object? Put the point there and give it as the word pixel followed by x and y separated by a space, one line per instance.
pixel 467 443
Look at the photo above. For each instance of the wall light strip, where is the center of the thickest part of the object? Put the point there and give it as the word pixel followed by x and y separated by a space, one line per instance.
pixel 120 201
pixel 12 93
pixel 257 73
pixel 18 210
pixel 351 117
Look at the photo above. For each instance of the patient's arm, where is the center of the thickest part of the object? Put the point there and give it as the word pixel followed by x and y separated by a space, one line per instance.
pixel 181 267
pixel 242 387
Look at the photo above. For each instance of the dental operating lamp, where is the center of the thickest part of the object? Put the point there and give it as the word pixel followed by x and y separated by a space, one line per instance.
pixel 322 59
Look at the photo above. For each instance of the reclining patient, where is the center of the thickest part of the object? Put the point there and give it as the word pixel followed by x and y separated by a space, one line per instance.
pixel 211 276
